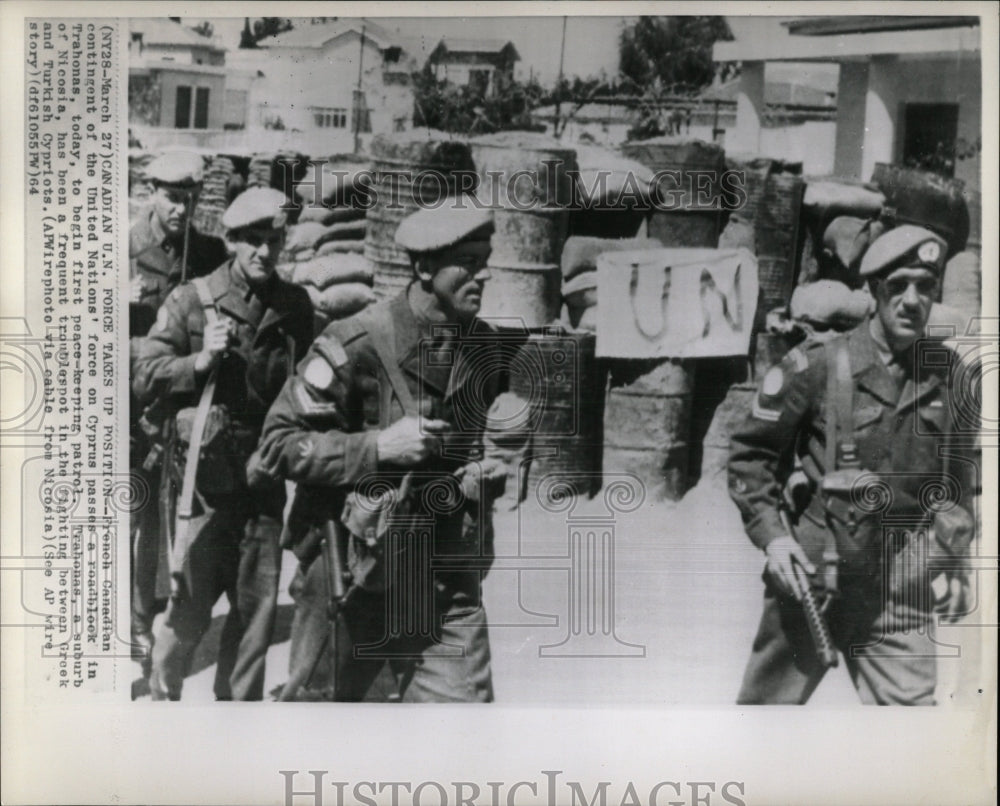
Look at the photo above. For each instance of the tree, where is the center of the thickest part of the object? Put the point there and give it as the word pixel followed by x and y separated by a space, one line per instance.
pixel 671 54
pixel 262 28
pixel 205 29
pixel 453 108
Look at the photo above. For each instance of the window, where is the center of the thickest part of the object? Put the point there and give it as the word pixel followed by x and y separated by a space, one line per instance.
pixel 182 109
pixel 930 132
pixel 329 118
pixel 201 108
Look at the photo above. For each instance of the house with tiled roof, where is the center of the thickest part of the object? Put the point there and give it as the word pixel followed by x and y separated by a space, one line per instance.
pixel 473 62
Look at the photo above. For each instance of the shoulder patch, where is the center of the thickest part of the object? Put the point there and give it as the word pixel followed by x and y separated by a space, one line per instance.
pixel 773 382
pixel 162 318
pixel 318 373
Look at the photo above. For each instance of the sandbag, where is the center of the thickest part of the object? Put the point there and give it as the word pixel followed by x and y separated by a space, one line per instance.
pixel 829 303
pixel 337 247
pixel 322 272
pixel 337 180
pixel 342 231
pixel 330 215
pixel 826 199
pixel 303 236
pixel 340 300
pixel 844 243
pixel 580 252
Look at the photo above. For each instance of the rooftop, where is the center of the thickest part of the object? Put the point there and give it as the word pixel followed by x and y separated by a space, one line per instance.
pixel 167 33
pixel 840 39
pixel 318 34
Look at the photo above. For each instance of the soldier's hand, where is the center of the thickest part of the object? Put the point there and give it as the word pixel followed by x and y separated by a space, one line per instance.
pixel 135 288
pixel 781 565
pixel 214 343
pixel 952 595
pixel 410 440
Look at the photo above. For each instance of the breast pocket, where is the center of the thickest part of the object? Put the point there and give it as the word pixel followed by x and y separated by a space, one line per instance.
pixel 866 418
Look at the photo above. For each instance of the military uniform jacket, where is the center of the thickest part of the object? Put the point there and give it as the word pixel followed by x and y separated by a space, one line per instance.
pixel 907 436
pixel 158 262
pixel 273 331
pixel 323 427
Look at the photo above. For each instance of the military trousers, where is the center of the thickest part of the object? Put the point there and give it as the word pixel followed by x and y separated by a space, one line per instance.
pixel 391 647
pixel 145 544
pixel 235 552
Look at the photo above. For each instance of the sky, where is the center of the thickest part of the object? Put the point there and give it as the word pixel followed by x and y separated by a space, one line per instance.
pixel 591 41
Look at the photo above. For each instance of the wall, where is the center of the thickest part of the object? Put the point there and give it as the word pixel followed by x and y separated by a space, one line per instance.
pixel 297 79
pixel 896 82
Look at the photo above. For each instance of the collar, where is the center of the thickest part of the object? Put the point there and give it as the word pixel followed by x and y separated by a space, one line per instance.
pixel 872 372
pixel 234 296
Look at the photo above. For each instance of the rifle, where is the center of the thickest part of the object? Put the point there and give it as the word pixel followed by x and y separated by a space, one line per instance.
pixel 822 641
pixel 182 538
pixel 338 591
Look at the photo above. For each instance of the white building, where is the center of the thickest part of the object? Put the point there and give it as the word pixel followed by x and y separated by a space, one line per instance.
pixel 308 88
pixel 906 84
pixel 177 78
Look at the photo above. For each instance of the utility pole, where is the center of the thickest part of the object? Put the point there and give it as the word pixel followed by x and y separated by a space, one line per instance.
pixel 358 96
pixel 562 52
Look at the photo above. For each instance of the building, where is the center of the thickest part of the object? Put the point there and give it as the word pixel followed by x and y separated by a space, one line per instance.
pixel 324 82
pixel 909 89
pixel 477 63
pixel 177 78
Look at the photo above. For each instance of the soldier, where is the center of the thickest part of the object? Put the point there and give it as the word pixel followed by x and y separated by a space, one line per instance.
pixel 163 249
pixel 240 330
pixel 396 398
pixel 870 417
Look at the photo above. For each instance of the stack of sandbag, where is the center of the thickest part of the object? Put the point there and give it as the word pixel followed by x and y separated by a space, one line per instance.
pixel 337 181
pixel 212 201
pixel 579 274
pixel 843 244
pixel 825 201
pixel 259 174
pixel 338 285
pixel 309 239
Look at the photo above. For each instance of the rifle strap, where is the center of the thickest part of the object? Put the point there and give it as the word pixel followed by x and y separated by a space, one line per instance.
pixel 382 335
pixel 184 504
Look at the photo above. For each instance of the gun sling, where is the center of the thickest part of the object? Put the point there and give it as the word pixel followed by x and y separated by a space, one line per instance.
pixel 182 538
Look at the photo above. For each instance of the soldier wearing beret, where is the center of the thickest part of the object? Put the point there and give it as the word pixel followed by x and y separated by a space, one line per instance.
pixel 884 514
pixel 243 329
pixel 390 406
pixel 164 248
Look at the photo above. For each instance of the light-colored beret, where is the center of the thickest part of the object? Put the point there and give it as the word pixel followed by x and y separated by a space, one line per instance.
pixel 906 245
pixel 256 206
pixel 456 221
pixel 176 168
